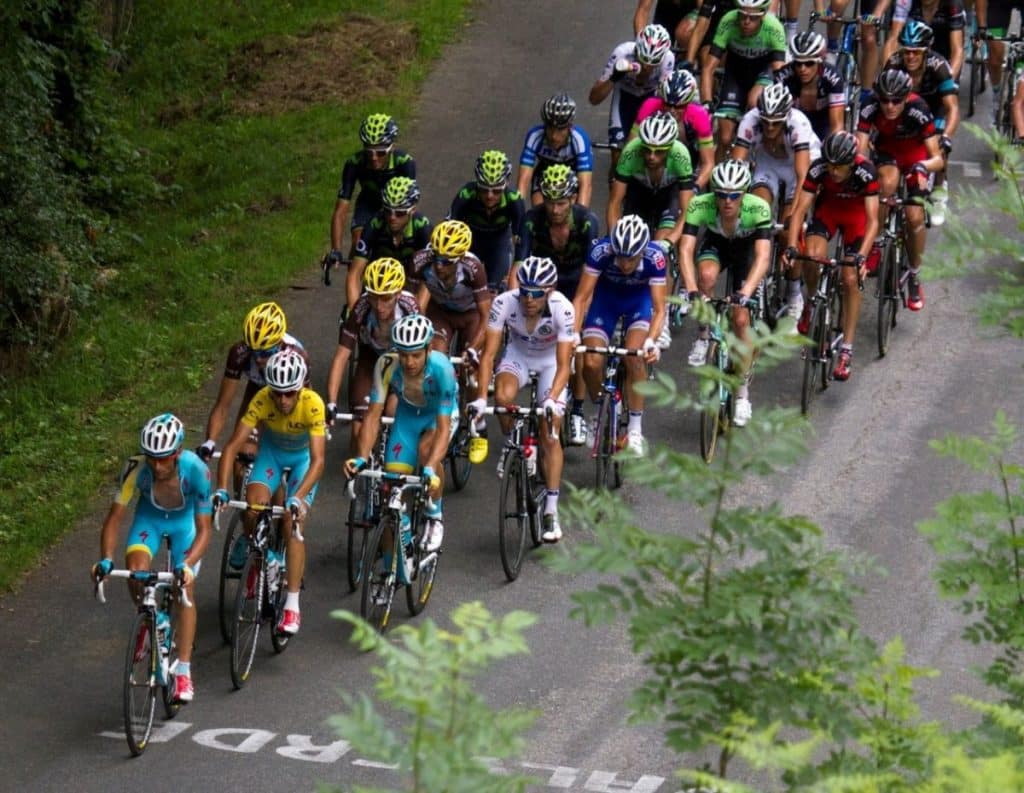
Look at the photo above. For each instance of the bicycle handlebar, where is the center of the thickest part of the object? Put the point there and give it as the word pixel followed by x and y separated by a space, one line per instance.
pixel 352 417
pixel 514 410
pixel 161 578
pixel 610 350
pixel 817 17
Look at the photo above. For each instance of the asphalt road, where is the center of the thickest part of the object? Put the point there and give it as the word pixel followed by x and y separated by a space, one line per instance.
pixel 867 478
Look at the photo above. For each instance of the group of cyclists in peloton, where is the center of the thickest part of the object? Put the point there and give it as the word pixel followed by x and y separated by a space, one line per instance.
pixel 750 138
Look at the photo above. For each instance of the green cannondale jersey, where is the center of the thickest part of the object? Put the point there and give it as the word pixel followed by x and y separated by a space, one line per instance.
pixel 678 169
pixel 749 52
pixel 755 217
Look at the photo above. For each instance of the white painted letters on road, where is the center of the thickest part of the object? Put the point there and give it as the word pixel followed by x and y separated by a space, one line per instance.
pixel 606 782
pixel 301 747
pixel 162 733
pixel 252 740
pixel 562 776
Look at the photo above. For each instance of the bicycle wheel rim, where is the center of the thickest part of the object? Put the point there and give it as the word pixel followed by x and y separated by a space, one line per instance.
pixel 378 581
pixel 811 362
pixel 710 415
pixel 140 683
pixel 355 546
pixel 228 585
pixel 512 515
pixel 245 626
pixel 458 458
pixel 887 297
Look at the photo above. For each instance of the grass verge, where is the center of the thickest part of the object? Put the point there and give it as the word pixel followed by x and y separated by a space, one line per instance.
pixel 247 125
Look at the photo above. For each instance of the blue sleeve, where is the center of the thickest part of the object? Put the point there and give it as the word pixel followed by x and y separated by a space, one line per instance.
pixel 198 475
pixel 531 146
pixel 584 153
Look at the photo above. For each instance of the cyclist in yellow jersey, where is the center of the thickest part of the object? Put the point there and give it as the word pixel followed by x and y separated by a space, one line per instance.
pixel 293 435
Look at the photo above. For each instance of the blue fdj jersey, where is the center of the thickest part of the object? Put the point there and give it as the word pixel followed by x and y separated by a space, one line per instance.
pixel 601 261
pixel 434 395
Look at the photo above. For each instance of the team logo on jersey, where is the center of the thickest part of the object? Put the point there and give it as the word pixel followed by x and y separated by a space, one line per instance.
pixel 545 329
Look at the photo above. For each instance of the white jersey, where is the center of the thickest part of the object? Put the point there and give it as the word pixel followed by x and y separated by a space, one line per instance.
pixel 630 83
pixel 798 135
pixel 555 325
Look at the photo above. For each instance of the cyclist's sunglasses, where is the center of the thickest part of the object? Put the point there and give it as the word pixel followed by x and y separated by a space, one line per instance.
pixel 750 17
pixel 443 261
pixel 398 213
pixel 536 294
pixel 378 152
pixel 656 149
pixel 892 100
pixel 264 354
pixel 806 64
pixel 283 394
pixel 495 190
pixel 728 196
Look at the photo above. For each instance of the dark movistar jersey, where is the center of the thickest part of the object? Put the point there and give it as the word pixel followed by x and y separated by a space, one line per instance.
pixel 536 241
pixel 506 216
pixel 378 241
pixel 371 183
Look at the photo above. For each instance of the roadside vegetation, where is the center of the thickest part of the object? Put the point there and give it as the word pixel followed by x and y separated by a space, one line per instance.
pixel 164 162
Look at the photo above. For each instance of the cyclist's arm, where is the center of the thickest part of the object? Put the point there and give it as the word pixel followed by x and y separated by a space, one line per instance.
pixel 707 77
pixel 586 179
pixel 864 143
pixel 871 203
pixel 981 13
pixel 836 118
pixel 956 52
pixel 758 270
pixel 337 371
pixel 492 343
pixel 423 297
pixel 934 161
pixel 616 195
pixel 483 308
pixel 642 15
pixel 803 201
pixel 952 105
pixel 599 91
pixel 111 528
pixel 439 443
pixel 354 279
pixel 693 46
pixel 317 454
pixel 564 351
pixel 892 41
pixel 801 163
pixel 204 531
pixel 657 310
pixel 584 294
pixel 230 452
pixel 687 266
pixel 685 196
pixel 219 411
pixel 369 429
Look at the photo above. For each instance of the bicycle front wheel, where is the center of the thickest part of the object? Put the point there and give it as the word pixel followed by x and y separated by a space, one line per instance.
pixel 513 517
pixel 245 626
pixel 140 683
pixel 380 577
pixel 229 577
pixel 458 457
pixel 417 591
pixel 712 416
pixel 814 357
pixel 888 295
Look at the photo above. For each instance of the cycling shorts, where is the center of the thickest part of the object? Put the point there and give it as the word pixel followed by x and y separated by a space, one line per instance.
pixel 918 185
pixel 495 251
pixel 517 363
pixel 826 222
pixel 268 469
pixel 448 323
pixel 362 380
pixel 733 93
pixel 769 172
pixel 622 115
pixel 402 454
pixel 634 306
pixel 659 209
pixel 735 255
pixel 151 526
pixel 363 211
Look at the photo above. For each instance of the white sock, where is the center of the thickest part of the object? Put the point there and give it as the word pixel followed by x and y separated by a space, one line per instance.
pixel 184 668
pixel 793 288
pixel 291 602
pixel 551 503
pixel 636 419
pixel 743 392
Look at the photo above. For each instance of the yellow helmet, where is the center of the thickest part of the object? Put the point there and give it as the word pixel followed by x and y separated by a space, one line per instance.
pixel 384 277
pixel 264 326
pixel 451 239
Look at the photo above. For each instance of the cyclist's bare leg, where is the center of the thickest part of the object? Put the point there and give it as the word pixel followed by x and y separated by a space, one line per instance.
pixel 739 318
pixel 295 555
pixel 255 493
pixel 888 182
pixel 425 445
pixel 506 386
pixel 553 456
pixel 917 234
pixel 726 132
pixel 185 625
pixel 1017 109
pixel 851 303
pixel 593 365
pixel 636 368
pixel 869 54
pixel 816 246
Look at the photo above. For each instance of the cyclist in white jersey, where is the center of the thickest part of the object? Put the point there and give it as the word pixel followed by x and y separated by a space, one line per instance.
pixel 783 145
pixel 541 323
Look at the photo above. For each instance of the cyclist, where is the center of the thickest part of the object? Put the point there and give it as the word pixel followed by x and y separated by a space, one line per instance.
pixel 426 413
pixel 678 17
pixel 947 20
pixel 368 328
pixel 818 90
pixel 370 168
pixel 631 74
pixel 556 141
pixel 653 179
pixel 677 96
pixel 783 145
pixel 493 212
pixel 994 20
pixel 738 229
pixel 396 232
pixel 173 486
pixel 562 231
pixel 291 417
pixel 869 50
pixel 540 323
pixel 932 80
pixel 451 288
pixel 624 279
pixel 841 193
pixel 709 17
pixel 263 334
pixel 1017 106
pixel 756 45
pixel 906 145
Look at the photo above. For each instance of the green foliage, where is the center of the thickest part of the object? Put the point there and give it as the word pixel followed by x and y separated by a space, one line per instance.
pixel 747 616
pixel 978 537
pixel 978 233
pixel 445 730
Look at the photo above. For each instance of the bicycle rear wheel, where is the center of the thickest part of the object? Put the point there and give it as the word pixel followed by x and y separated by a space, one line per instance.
pixel 458 457
pixel 888 295
pixel 229 577
pixel 245 627
pixel 513 514
pixel 814 357
pixel 358 524
pixel 976 80
pixel 140 684
pixel 380 576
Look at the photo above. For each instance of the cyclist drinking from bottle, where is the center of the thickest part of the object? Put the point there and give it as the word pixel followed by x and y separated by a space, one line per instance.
pixel 292 435
pixel 541 324
pixel 173 486
pixel 426 414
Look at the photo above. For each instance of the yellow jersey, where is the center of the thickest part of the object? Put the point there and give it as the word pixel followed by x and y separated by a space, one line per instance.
pixel 291 432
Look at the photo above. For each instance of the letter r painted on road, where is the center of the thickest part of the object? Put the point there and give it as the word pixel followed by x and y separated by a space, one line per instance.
pixel 252 740
pixel 301 747
pixel 606 782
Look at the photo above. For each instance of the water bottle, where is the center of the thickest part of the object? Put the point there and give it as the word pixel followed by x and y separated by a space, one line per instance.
pixel 530 455
pixel 273 571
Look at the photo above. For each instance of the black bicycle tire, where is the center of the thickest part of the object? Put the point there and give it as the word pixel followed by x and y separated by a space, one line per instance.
pixel 458 458
pixel 833 328
pixel 355 546
pixel 601 459
pixel 377 617
pixel 243 644
pixel 226 595
pixel 539 490
pixel 888 296
pixel 512 543
pixel 279 641
pixel 710 420
pixel 815 331
pixel 418 591
pixel 975 77
pixel 171 705
pixel 137 731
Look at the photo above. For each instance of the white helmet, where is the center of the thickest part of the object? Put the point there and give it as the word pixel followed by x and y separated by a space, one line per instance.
pixel 285 371
pixel 807 46
pixel 162 435
pixel 775 102
pixel 412 332
pixel 630 236
pixel 753 6
pixel 730 176
pixel 537 272
pixel 652 44
pixel 659 131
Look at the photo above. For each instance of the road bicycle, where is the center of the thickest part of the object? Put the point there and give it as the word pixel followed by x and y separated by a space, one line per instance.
pixel 717 411
pixel 395 555
pixel 363 506
pixel 976 60
pixel 229 575
pixel 893 269
pixel 846 60
pixel 1013 66
pixel 457 456
pixel 825 328
pixel 261 592
pixel 523 487
pixel 151 659
pixel 612 413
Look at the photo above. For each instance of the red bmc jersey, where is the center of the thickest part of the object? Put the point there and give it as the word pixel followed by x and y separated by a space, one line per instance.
pixel 902 138
pixel 842 196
